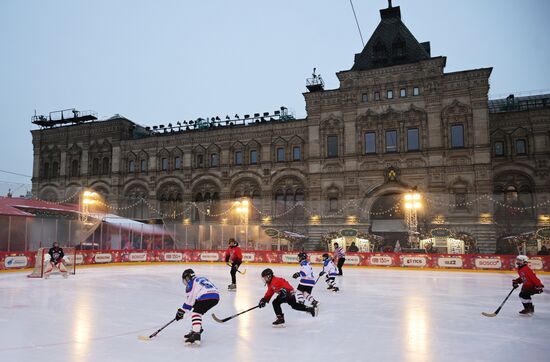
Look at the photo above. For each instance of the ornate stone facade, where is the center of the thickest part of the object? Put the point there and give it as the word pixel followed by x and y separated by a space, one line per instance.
pixel 389 127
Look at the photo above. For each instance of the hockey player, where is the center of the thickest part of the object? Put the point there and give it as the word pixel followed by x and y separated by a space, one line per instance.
pixel 307 281
pixel 330 270
pixel 531 285
pixel 233 258
pixel 56 261
pixel 202 296
pixel 340 257
pixel 285 295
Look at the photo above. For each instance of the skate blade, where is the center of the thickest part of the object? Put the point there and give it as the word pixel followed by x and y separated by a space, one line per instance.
pixel 193 344
pixel 488 314
pixel 279 326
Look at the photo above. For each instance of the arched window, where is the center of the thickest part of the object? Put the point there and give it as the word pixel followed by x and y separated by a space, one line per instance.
pixel 95 166
pixel 105 166
pixel 55 169
pixel 75 168
pixel 46 170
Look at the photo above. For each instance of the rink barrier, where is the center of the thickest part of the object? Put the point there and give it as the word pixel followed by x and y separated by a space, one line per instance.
pixel 24 260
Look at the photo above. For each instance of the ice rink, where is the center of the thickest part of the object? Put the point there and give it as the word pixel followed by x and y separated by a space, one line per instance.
pixel 379 315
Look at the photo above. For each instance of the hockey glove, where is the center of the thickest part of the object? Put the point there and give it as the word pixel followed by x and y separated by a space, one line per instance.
pixel 539 290
pixel 515 284
pixel 322 273
pixel 180 314
pixel 296 275
pixel 262 303
pixel 283 293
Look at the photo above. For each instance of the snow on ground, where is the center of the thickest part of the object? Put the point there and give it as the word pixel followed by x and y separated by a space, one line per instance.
pixel 379 315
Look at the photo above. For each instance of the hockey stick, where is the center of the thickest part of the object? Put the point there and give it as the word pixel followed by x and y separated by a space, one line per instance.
pixel 240 272
pixel 233 316
pixel 145 338
pixel 498 309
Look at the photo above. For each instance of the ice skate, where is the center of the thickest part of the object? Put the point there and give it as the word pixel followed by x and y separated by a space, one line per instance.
pixel 330 287
pixel 232 287
pixel 315 303
pixel 280 321
pixel 190 333
pixel 193 339
pixel 528 310
pixel 335 289
pixel 314 311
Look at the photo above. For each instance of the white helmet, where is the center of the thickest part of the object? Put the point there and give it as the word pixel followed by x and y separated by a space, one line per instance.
pixel 522 260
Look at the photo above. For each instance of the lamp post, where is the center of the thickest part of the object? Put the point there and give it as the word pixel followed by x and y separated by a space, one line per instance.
pixel 241 207
pixel 87 200
pixel 412 204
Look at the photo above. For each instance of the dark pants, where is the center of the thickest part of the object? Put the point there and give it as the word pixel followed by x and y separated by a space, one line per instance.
pixel 234 267
pixel 525 295
pixel 202 306
pixel 340 265
pixel 305 288
pixel 290 299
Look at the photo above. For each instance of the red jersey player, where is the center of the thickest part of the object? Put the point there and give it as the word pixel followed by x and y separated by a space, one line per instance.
pixel 285 295
pixel 531 285
pixel 233 258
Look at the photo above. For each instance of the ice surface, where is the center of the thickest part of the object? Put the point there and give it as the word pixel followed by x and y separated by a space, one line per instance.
pixel 379 315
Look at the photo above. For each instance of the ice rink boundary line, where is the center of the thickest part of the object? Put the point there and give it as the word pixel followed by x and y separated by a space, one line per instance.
pixel 138 263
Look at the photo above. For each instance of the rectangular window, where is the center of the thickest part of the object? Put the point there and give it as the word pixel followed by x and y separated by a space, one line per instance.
pixel 365 97
pixel 177 163
pixel 296 153
pixel 164 164
pixel 370 142
pixel 460 200
pixel 131 166
pixel 332 146
pixel 416 91
pixel 376 96
pixel 390 94
pixel 280 154
pixel 413 142
pixel 143 165
pixel 521 149
pixel 391 141
pixel 238 157
pixel 253 157
pixel 200 160
pixel 403 92
pixel 333 204
pixel 499 148
pixel 214 160
pixel 457 136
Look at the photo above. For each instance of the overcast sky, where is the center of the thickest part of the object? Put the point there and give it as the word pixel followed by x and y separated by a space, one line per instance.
pixel 162 61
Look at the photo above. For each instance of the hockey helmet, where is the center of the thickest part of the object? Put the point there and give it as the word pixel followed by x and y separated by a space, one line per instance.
pixel 325 256
pixel 267 275
pixel 55 244
pixel 302 256
pixel 522 260
pixel 187 275
pixel 232 243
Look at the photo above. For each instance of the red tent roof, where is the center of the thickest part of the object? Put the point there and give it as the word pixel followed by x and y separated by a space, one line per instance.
pixel 14 206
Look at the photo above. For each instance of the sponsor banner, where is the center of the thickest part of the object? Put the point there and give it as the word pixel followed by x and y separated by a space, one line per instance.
pixel 272 232
pixel 353 259
pixel 103 258
pixel 316 258
pixel 15 262
pixel 138 257
pixel 415 261
pixel 209 256
pixel 173 256
pixel 450 262
pixel 382 260
pixel 79 259
pixel 536 264
pixel 289 258
pixel 248 257
pixel 348 232
pixel 487 263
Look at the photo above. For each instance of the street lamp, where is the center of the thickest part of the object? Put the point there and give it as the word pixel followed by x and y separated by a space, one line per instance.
pixel 412 204
pixel 87 200
pixel 241 208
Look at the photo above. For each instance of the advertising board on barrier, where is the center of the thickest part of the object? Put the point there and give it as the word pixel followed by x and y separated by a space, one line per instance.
pixel 103 258
pixel 414 261
pixel 353 259
pixel 138 257
pixel 209 257
pixel 316 258
pixel 381 260
pixel 450 262
pixel 536 264
pixel 173 256
pixel 289 258
pixel 15 262
pixel 487 263
pixel 248 257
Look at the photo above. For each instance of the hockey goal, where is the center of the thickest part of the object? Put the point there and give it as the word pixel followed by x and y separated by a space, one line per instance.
pixel 42 260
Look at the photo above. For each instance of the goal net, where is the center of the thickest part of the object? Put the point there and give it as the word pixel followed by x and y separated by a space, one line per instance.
pixel 42 261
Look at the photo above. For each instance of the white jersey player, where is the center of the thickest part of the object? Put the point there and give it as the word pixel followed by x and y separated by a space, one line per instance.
pixel 202 295
pixel 307 281
pixel 329 269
